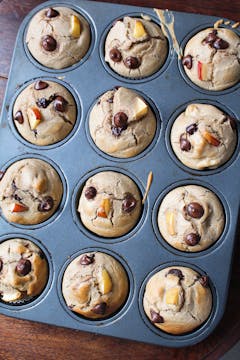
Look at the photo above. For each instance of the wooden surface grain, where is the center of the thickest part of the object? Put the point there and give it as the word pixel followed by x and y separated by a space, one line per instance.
pixel 23 339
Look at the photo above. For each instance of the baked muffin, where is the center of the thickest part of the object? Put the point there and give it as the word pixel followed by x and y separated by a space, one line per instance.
pixel 110 204
pixel 44 112
pixel 203 137
pixel 177 299
pixel 23 270
pixel 30 192
pixel 135 47
pixel 212 59
pixel 191 218
pixel 95 285
pixel 121 123
pixel 58 37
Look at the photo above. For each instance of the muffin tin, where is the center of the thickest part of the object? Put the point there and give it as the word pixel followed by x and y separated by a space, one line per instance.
pixel 142 251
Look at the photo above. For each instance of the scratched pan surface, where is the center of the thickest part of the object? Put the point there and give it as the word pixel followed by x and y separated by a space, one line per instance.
pixel 142 251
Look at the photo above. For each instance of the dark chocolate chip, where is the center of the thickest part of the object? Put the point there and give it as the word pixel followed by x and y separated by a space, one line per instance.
pixel 192 239
pixel 51 13
pixel 129 203
pixel 42 103
pixel 185 144
pixel 195 210
pixel 187 61
pixel 40 85
pixel 60 104
pixel 100 308
pixel 212 36
pixel 120 120
pixel 90 192
pixel 204 281
pixel 115 55
pixel 220 44
pixel 87 259
pixel 49 43
pixel 110 100
pixel 131 62
pixel 1 174
pixel 156 317
pixel 23 267
pixel 176 272
pixel 191 129
pixel 1 265
pixel 19 117
pixel 46 204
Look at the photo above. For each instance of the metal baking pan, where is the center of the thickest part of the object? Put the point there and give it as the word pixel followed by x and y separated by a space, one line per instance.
pixel 142 251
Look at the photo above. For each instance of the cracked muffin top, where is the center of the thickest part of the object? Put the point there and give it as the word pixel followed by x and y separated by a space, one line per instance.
pixel 23 270
pixel 110 204
pixel 30 192
pixel 135 47
pixel 212 59
pixel 177 299
pixel 95 285
pixel 58 37
pixel 191 218
pixel 203 137
pixel 44 112
pixel 121 123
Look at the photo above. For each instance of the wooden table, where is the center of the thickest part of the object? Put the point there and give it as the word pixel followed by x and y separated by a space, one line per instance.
pixel 23 339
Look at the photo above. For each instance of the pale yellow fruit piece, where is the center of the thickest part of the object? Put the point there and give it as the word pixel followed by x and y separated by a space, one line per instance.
pixel 75 29
pixel 105 284
pixel 170 220
pixel 140 109
pixel 34 117
pixel 172 296
pixel 139 30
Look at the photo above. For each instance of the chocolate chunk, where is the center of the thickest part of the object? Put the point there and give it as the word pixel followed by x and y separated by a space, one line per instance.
pixel 46 204
pixel 51 13
pixel 100 308
pixel 120 120
pixel 1 265
pixel 129 203
pixel 110 100
pixel 49 43
pixel 42 103
pixel 19 117
pixel 1 174
pixel 132 62
pixel 195 210
pixel 156 317
pixel 87 259
pixel 220 44
pixel 192 239
pixel 212 36
pixel 204 281
pixel 90 192
pixel 176 272
pixel 40 85
pixel 191 129
pixel 115 55
pixel 187 61
pixel 185 144
pixel 23 267
pixel 60 104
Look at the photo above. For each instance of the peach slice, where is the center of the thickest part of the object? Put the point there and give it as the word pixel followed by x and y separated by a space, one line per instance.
pixel 211 139
pixel 139 30
pixel 104 208
pixel 16 207
pixel 172 296
pixel 170 220
pixel 105 284
pixel 140 109
pixel 75 29
pixel 34 117
pixel 204 71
